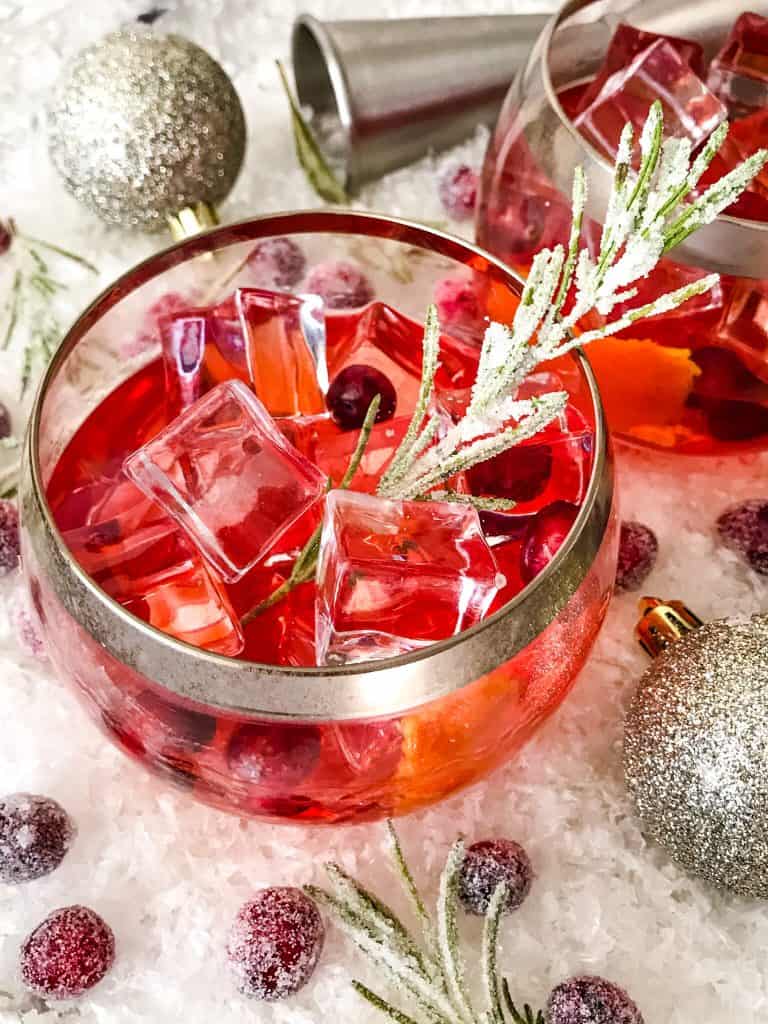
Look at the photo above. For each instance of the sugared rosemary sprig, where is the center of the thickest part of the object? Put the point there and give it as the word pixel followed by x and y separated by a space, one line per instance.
pixel 429 971
pixel 647 215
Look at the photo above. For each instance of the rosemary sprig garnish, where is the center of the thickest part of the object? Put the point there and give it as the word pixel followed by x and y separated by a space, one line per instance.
pixel 647 215
pixel 431 972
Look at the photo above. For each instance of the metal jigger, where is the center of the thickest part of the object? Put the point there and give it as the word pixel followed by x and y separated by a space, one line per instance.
pixel 384 93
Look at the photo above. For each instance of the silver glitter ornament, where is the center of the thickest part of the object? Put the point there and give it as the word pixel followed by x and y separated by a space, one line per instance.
pixel 696 754
pixel 143 126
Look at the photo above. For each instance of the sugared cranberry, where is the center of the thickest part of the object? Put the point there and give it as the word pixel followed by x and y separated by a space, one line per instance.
pixel 67 954
pixel 638 549
pixel 277 263
pixel 486 865
pixel 457 304
pixel 5 422
pixel 35 834
pixel 736 421
pixel 9 536
pixel 340 284
pixel 744 528
pixel 6 236
pixel 520 473
pixel 182 727
pixel 352 391
pixel 590 1000
pixel 544 537
pixel 274 754
pixel 275 943
pixel 457 189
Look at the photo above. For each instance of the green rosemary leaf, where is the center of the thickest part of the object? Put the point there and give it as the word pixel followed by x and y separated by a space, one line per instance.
pixel 578 199
pixel 68 254
pixel 481 504
pixel 362 442
pixel 448 933
pixel 309 154
pixel 381 1004
pixel 527 1016
pixel 405 876
pixel 650 143
pixel 490 951
pixel 14 305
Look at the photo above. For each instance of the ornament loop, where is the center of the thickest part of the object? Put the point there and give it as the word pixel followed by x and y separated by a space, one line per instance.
pixel 663 622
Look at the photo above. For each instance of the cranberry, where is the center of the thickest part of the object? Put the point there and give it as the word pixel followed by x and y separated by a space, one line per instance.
pixel 486 865
pixel 722 372
pixel 341 285
pixel 275 943
pixel 744 528
pixel 638 549
pixel 736 421
pixel 457 189
pixel 273 754
pixel 457 303
pixel 520 473
pixel 5 422
pixel 544 536
pixel 27 633
pixel 6 236
pixel 35 834
pixel 590 1000
pixel 352 391
pixel 277 263
pixel 67 954
pixel 180 726
pixel 9 536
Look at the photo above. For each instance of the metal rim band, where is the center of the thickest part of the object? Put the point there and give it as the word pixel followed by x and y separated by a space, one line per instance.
pixel 372 689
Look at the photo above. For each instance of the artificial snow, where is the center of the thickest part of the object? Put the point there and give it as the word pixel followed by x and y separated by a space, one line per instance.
pixel 169 875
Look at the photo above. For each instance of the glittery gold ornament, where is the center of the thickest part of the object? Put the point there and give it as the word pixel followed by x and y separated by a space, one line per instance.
pixel 143 127
pixel 696 752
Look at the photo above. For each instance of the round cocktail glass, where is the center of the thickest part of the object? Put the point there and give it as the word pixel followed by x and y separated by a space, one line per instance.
pixel 309 744
pixel 695 381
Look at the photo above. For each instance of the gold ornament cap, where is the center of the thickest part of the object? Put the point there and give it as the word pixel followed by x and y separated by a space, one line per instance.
pixel 663 622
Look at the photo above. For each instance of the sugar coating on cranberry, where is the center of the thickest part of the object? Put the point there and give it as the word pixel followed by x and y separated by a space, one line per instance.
pixel 340 284
pixel 277 262
pixel 744 527
pixel 67 954
pixel 274 754
pixel 352 391
pixel 275 943
pixel 638 549
pixel 9 536
pixel 590 1000
pixel 485 866
pixel 545 536
pixel 457 303
pixel 35 834
pixel 457 188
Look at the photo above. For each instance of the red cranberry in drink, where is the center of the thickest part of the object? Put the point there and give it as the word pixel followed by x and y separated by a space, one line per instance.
pixel 9 536
pixel 341 285
pixel 457 188
pixel 744 528
pixel 520 473
pixel 277 263
pixel 722 373
pixel 486 865
pixel 590 1000
pixel 67 954
pixel 273 754
pixel 736 421
pixel 181 726
pixel 352 391
pixel 638 549
pixel 35 834
pixel 275 943
pixel 457 303
pixel 544 537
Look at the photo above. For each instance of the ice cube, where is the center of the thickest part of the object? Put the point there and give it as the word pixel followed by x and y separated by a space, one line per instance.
pixel 691 111
pixel 140 558
pixel 626 43
pixel 395 576
pixel 743 326
pixel 271 340
pixel 224 472
pixel 689 322
pixel 745 137
pixel 739 73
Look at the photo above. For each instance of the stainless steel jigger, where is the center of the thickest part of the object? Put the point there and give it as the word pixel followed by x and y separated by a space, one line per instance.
pixel 400 88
